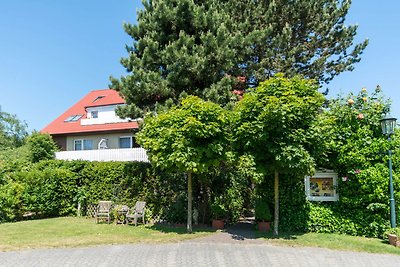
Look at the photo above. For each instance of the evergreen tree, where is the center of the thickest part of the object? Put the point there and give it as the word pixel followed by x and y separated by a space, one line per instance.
pixel 209 48
pixel 306 37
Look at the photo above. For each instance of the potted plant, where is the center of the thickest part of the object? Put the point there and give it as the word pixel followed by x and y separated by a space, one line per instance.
pixel 393 235
pixel 218 211
pixel 119 211
pixel 263 215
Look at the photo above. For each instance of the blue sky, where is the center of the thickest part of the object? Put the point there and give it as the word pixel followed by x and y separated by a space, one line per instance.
pixel 52 53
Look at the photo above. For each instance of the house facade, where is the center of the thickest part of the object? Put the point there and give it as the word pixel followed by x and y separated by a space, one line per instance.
pixel 91 127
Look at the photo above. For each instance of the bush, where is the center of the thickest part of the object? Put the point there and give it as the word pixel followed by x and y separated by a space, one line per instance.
pixel 48 192
pixel 177 212
pixel 41 147
pixel 262 211
pixel 392 231
pixel 218 209
pixel 299 215
pixel 11 201
pixel 54 188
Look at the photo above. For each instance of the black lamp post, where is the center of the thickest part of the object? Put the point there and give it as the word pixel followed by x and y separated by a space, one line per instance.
pixel 388 124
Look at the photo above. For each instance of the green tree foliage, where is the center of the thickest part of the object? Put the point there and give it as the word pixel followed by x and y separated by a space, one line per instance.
pixel 201 48
pixel 309 38
pixel 356 148
pixel 180 47
pixel 191 138
pixel 12 131
pixel 352 129
pixel 274 124
pixel 41 146
pixel 353 144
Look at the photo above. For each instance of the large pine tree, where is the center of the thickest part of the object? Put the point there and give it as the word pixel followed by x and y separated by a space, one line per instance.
pixel 200 47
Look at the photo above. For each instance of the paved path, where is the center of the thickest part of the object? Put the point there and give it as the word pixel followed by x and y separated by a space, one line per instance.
pixel 235 247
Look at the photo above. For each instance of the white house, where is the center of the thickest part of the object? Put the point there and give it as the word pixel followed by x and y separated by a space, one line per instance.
pixel 91 130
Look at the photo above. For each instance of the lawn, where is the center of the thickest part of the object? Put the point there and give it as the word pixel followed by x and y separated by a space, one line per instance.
pixel 334 241
pixel 78 232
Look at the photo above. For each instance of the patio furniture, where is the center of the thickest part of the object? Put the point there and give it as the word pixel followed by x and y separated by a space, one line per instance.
pixel 136 212
pixel 103 211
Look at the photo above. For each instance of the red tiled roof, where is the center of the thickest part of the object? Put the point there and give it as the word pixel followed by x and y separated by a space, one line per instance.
pixel 93 99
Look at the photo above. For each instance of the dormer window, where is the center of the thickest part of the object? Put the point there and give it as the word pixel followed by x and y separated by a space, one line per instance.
pixel 94 114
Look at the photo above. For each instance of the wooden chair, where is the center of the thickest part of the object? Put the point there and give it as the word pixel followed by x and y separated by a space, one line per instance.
pixel 136 212
pixel 103 211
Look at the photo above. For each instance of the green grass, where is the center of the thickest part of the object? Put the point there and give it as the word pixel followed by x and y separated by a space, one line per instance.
pixel 77 232
pixel 334 241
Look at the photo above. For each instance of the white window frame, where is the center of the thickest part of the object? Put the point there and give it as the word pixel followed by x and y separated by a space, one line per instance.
pixel 73 118
pixel 78 140
pixel 322 175
pixel 94 114
pixel 130 140
pixel 82 144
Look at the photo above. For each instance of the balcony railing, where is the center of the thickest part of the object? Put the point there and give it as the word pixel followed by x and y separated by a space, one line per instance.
pixel 122 154
pixel 93 121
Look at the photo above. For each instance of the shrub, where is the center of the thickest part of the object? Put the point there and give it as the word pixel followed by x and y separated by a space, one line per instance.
pixel 218 209
pixel 48 192
pixel 177 212
pixel 392 231
pixel 41 146
pixel 11 201
pixel 262 211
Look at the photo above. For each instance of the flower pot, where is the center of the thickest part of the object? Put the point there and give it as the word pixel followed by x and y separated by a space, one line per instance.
pixel 394 240
pixel 217 224
pixel 264 226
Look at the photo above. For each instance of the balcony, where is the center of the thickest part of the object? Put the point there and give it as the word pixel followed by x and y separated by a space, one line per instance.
pixel 122 154
pixel 105 120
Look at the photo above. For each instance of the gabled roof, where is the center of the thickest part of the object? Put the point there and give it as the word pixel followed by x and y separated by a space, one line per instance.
pixel 93 99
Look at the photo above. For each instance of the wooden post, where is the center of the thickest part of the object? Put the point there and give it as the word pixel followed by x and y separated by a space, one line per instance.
pixel 189 217
pixel 276 212
pixel 79 209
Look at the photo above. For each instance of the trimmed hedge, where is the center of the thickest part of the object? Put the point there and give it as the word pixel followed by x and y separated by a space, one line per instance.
pixel 366 214
pixel 53 188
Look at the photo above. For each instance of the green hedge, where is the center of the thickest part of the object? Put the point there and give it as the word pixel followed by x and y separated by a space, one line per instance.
pixel 53 188
pixel 362 208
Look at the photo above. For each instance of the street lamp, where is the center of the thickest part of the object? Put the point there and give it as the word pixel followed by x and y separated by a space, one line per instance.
pixel 388 124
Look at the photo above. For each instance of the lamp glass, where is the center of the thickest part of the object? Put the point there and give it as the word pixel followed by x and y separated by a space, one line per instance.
pixel 388 124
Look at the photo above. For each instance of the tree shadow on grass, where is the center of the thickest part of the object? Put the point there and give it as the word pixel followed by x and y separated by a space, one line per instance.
pixel 180 229
pixel 285 236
